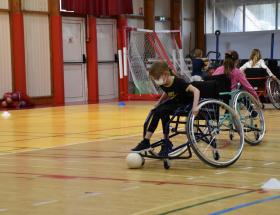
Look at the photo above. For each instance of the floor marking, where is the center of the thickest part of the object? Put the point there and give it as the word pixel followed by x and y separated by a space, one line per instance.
pixel 44 203
pixel 181 202
pixel 190 178
pixel 245 205
pixel 3 209
pixel 267 164
pixel 243 187
pixel 130 188
pixel 91 194
pixel 155 182
pixel 222 172
pixel 248 167
pixel 205 202
pixel 72 144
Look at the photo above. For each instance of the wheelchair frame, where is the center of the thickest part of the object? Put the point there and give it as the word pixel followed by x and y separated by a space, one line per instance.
pixel 270 88
pixel 250 105
pixel 234 126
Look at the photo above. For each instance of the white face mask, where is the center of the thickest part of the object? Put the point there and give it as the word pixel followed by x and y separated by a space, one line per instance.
pixel 160 81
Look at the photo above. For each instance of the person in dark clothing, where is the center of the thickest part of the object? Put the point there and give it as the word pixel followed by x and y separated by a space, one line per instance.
pixel 199 65
pixel 177 92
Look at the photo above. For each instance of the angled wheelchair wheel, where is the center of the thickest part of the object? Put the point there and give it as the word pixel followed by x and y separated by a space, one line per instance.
pixel 251 116
pixel 273 91
pixel 216 134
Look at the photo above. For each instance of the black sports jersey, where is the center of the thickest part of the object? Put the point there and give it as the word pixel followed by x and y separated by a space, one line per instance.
pixel 177 91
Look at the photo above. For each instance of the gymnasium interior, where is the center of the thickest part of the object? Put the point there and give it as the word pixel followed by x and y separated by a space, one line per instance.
pixel 76 97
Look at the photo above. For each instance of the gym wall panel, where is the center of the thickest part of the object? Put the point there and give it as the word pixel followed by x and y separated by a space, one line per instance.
pixel 35 5
pixel 4 4
pixel 138 23
pixel 162 8
pixel 138 7
pixel 37 54
pixel 5 54
pixel 244 42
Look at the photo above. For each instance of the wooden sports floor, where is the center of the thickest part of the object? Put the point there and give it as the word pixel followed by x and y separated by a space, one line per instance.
pixel 71 160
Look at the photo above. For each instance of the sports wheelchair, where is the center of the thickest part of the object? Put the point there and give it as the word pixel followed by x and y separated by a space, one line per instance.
pixel 264 85
pixel 247 107
pixel 215 134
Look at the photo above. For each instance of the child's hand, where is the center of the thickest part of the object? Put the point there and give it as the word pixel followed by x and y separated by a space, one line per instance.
pixel 274 77
pixel 195 110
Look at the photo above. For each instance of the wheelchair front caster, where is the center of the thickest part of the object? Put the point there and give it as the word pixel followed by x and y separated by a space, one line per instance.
pixel 166 163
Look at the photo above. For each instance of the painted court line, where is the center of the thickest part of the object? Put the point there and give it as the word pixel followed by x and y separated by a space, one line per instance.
pixel 185 201
pixel 248 167
pixel 72 144
pixel 91 194
pixel 222 172
pixel 205 202
pixel 3 209
pixel 190 178
pixel 267 164
pixel 130 188
pixel 245 205
pixel 44 203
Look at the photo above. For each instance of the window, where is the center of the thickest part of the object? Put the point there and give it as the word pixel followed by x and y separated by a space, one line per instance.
pixel 228 16
pixel 209 16
pixel 260 17
pixel 241 15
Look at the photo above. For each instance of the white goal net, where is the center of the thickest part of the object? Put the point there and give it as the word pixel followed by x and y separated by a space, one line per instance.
pixel 144 47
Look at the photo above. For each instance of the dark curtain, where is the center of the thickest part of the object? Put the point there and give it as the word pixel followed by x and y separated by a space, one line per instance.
pixel 98 7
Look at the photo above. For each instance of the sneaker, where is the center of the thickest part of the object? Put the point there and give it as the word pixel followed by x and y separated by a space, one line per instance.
pixel 144 145
pixel 253 114
pixel 166 147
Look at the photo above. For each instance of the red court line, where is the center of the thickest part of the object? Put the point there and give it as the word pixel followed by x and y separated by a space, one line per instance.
pixel 155 182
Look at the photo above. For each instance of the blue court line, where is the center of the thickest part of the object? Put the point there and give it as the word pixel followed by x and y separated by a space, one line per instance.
pixel 245 205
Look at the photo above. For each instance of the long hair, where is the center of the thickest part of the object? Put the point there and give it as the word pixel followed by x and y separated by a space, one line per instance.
pixel 229 63
pixel 255 56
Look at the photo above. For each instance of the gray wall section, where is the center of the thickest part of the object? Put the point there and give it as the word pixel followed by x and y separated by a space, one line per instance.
pixel 244 42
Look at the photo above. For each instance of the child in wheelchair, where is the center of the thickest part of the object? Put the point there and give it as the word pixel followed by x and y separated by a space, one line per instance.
pixel 229 68
pixel 176 92
pixel 256 61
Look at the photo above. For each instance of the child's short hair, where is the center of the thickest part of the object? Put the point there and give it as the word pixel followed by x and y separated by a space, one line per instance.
pixel 198 53
pixel 158 69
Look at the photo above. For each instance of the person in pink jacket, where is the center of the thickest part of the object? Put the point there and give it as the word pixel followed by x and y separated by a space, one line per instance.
pixel 236 76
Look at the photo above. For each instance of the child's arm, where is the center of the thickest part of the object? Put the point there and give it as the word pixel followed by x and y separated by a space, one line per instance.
pixel 196 94
pixel 163 97
pixel 267 69
pixel 247 86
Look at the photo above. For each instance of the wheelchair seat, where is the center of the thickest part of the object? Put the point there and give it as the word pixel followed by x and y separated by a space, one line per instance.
pixel 223 84
pixel 257 78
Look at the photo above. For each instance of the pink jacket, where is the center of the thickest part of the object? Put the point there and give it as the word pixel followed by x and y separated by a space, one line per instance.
pixel 236 76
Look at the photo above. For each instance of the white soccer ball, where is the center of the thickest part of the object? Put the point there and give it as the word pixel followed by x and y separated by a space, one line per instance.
pixel 134 161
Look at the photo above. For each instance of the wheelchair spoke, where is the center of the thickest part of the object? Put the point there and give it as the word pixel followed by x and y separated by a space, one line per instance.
pixel 215 134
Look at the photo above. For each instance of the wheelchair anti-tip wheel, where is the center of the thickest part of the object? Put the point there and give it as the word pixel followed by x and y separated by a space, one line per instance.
pixel 166 163
pixel 273 91
pixel 251 116
pixel 216 133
